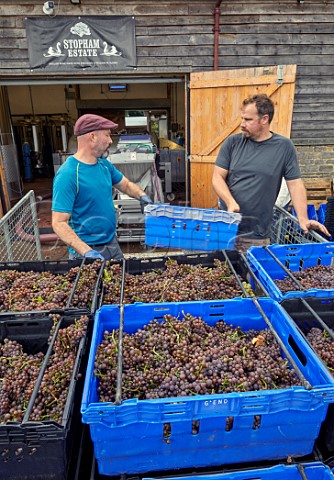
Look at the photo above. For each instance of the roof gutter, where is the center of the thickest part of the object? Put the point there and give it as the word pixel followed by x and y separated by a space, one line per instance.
pixel 216 34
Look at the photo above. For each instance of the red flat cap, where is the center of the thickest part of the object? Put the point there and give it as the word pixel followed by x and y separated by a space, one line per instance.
pixel 90 123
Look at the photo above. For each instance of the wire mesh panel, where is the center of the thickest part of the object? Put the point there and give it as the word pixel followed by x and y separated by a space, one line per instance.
pixel 285 229
pixel 19 234
pixel 12 171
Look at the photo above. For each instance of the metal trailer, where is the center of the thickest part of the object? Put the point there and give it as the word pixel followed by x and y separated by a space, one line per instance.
pixel 285 230
pixel 19 233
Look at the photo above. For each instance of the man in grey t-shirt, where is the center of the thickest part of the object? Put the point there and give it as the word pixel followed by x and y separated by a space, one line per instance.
pixel 249 170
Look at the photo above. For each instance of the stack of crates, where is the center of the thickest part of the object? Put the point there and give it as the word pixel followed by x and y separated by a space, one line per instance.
pixel 177 435
pixel 47 448
pixel 307 307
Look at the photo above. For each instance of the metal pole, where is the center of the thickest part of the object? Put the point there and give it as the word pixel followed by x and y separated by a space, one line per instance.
pixel 216 34
pixel 35 224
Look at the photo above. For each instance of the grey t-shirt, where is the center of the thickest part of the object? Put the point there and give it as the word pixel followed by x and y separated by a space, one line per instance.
pixel 255 173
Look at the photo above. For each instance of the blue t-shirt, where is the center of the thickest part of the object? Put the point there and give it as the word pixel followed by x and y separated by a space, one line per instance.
pixel 85 192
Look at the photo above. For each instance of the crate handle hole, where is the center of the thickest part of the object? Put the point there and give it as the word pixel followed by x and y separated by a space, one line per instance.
pixel 195 424
pixel 257 422
pixel 167 430
pixel 229 424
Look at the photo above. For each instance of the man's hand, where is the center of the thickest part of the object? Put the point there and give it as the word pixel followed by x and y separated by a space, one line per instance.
pixel 94 254
pixel 307 225
pixel 144 200
pixel 233 206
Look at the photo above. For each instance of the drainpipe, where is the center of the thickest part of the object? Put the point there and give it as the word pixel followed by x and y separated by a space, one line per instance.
pixel 216 34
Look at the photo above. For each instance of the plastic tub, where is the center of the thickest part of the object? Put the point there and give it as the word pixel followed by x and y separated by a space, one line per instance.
pixel 129 438
pixel 43 449
pixel 311 471
pixel 190 228
pixel 294 257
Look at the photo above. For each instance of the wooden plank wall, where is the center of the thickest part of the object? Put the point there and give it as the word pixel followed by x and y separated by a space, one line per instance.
pixel 178 37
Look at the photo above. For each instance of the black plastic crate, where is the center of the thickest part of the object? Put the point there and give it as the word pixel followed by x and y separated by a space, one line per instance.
pixel 44 449
pixel 140 265
pixel 236 261
pixel 59 267
pixel 304 318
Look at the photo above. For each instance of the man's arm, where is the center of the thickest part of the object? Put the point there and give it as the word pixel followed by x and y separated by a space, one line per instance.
pixel 66 233
pixel 298 195
pixel 129 188
pixel 299 201
pixel 221 188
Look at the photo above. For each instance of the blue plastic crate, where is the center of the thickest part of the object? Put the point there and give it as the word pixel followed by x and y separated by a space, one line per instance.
pixel 296 257
pixel 311 212
pixel 190 228
pixel 312 471
pixel 322 212
pixel 305 320
pixel 129 438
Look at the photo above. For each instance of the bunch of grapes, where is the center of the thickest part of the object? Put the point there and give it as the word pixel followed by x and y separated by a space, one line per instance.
pixel 177 283
pixel 323 344
pixel 319 276
pixel 25 291
pixel 176 358
pixel 19 372
pixel 53 391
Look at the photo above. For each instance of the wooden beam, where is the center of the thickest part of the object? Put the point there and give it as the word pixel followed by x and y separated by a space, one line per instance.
pixel 237 82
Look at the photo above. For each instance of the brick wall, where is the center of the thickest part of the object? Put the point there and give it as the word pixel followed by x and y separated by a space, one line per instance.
pixel 316 161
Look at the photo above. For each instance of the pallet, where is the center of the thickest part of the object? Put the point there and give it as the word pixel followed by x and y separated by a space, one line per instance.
pixel 318 190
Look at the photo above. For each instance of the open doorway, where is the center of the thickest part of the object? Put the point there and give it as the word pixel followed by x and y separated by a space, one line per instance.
pixel 153 113
pixel 43 117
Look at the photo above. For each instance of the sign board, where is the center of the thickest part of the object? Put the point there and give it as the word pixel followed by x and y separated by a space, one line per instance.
pixel 73 44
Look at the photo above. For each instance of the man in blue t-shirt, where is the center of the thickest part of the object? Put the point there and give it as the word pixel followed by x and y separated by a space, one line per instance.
pixel 83 213
pixel 248 174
